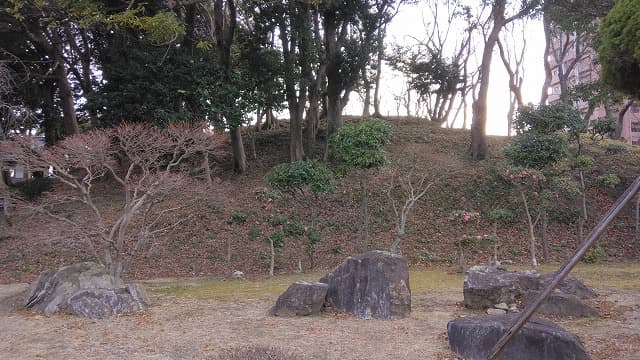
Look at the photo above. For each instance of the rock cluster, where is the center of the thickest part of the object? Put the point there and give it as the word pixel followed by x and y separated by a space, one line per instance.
pixel 369 285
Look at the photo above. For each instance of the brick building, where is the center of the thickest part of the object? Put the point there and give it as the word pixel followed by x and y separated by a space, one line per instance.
pixel 579 65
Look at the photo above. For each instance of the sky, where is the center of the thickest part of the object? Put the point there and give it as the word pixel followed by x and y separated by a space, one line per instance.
pixel 409 25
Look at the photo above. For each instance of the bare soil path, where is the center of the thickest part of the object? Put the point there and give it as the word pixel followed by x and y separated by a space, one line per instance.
pixel 197 319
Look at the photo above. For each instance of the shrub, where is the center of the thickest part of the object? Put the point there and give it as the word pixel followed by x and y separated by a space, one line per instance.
pixel 536 151
pixel 594 255
pixel 360 144
pixel 547 119
pixel 615 148
pixel 608 180
pixel 602 127
pixel 300 175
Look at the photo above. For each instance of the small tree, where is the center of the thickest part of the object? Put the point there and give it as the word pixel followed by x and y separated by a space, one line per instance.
pixel 411 193
pixel 528 182
pixel 468 220
pixel 498 216
pixel 143 160
pixel 361 145
pixel 305 182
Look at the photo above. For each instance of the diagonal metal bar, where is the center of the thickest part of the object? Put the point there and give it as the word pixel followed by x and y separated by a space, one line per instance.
pixel 593 236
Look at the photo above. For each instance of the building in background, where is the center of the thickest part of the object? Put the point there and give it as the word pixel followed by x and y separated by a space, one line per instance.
pixel 573 64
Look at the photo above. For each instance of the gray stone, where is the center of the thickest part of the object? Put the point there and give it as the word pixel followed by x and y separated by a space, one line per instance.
pixel 502 306
pixel 571 285
pixel 300 299
pixel 101 303
pixel 370 285
pixel 472 338
pixel 560 304
pixel 496 311
pixel 85 282
pixel 485 286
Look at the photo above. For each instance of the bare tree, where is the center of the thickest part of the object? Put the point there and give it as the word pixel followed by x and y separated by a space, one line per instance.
pixel 412 192
pixel 499 19
pixel 512 56
pixel 144 161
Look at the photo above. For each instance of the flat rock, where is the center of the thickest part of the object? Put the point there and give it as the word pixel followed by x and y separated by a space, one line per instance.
pixel 374 284
pixel 485 286
pixel 300 299
pixel 473 338
pixel 571 285
pixel 560 304
pixel 496 311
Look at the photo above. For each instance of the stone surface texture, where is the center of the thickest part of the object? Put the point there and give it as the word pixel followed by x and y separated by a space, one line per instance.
pixel 485 286
pixel 560 304
pixel 473 338
pixel 300 299
pixel 86 283
pixel 374 284
pixel 101 303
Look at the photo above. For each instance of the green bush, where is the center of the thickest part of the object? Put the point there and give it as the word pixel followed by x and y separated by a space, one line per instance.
pixel 238 217
pixel 584 162
pixel 608 180
pixel 360 144
pixel 548 119
pixel 300 175
pixel 34 188
pixel 594 255
pixel 615 148
pixel 602 127
pixel 536 151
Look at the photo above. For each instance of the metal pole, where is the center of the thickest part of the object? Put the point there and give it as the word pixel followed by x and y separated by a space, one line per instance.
pixel 567 267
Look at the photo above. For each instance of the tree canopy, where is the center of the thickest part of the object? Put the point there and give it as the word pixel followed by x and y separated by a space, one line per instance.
pixel 620 47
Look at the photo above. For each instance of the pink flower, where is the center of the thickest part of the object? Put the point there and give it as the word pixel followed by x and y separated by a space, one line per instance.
pixel 466 218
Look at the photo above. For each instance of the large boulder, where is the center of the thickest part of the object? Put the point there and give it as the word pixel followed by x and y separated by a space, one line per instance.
pixel 485 286
pixel 374 284
pixel 101 303
pixel 77 287
pixel 560 303
pixel 474 337
pixel 570 285
pixel 300 299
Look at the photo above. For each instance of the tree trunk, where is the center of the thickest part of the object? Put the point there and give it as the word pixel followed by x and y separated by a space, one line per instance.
pixel 334 81
pixel 272 263
pixel 543 236
pixel 376 93
pixel 237 148
pixel 69 119
pixel 363 238
pixel 637 221
pixel 479 145
pixel 366 102
pixel 313 120
pixel 259 116
pixel 207 168
pixel 621 114
pixel 532 232
pixel 544 95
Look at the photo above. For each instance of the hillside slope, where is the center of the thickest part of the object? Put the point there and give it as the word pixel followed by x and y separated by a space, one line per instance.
pixel 226 227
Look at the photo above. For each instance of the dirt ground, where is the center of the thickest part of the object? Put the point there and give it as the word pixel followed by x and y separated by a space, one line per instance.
pixel 180 327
